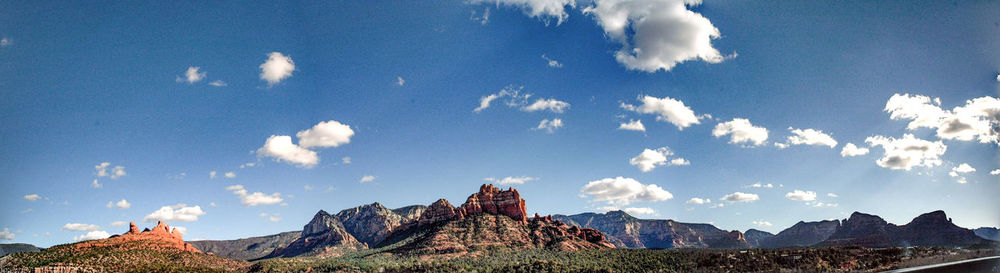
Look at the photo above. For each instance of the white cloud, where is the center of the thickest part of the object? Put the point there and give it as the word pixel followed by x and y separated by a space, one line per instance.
pixel 32 197
pixel 762 223
pixel 656 34
pixel 759 185
pixel 510 180
pixel 93 235
pixel 400 81
pixel 549 125
pixel 211 175
pixel 995 172
pixel 121 204
pixel 80 227
pixel 852 150
pixel 7 42
pixel 623 191
pixel 212 204
pixel 799 195
pixel 551 62
pixel 556 106
pixel 698 201
pixel 6 235
pixel 96 185
pixel 367 178
pixel 834 195
pixel 230 175
pixel 179 212
pixel 666 109
pixel 632 125
pixel 329 133
pixel 308 187
pixel 181 230
pixel 277 68
pixel 907 152
pixel 483 19
pixel 281 148
pixel 740 197
pixel 640 211
pixel 192 75
pixel 118 223
pixel 649 159
pixel 256 198
pixel 810 137
pixel 346 160
pixel 962 168
pixel 978 119
pixel 218 83
pixel 115 172
pixel 485 101
pixel 544 10
pixel 741 131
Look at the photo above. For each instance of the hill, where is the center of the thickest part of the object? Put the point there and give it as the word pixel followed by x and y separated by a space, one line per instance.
pixel 247 248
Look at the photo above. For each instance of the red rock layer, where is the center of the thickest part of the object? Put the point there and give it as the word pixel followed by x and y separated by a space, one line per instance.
pixel 160 233
pixel 492 200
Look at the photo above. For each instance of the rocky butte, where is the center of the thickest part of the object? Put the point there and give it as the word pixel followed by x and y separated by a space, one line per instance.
pixel 160 236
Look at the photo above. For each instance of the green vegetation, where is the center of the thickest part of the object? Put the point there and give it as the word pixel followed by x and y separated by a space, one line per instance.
pixel 826 259
pixel 126 257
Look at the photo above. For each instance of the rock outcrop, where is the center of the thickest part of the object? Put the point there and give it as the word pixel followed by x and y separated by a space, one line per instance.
pixel 439 211
pixel 623 230
pixel 410 213
pixel 755 237
pixel 492 200
pixel 323 236
pixel 371 223
pixel 929 229
pixel 160 236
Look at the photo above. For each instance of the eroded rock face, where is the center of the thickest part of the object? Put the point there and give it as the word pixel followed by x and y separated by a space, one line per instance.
pixel 324 235
pixel 623 230
pixel 492 200
pixel 439 211
pixel 371 223
pixel 410 213
pixel 802 234
pixel 160 236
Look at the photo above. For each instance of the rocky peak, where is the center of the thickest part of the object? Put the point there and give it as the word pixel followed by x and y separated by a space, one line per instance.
pixel 321 222
pixel 439 211
pixel 410 213
pixel 863 218
pixel 492 200
pixel 132 228
pixel 370 223
pixel 934 217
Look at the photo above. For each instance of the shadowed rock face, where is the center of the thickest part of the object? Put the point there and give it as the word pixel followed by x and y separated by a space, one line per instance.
pixel 929 229
pixel 755 237
pixel 623 230
pixel 988 233
pixel 371 223
pixel 324 235
pixel 802 234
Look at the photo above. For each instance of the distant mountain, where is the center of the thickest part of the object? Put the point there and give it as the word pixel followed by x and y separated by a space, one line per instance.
pixel 247 248
pixel 410 213
pixel 929 229
pixel 371 223
pixel 801 234
pixel 988 233
pixel 15 248
pixel 623 230
pixel 324 235
pixel 754 237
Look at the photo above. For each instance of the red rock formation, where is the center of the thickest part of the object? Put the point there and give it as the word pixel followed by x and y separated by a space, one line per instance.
pixel 492 200
pixel 440 211
pixel 161 235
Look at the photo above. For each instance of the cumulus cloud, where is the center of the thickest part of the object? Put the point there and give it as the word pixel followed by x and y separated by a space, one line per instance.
pixel 93 235
pixel 256 198
pixel 6 234
pixel 218 83
pixel 741 131
pixel 623 191
pixel 545 10
pixel 650 159
pixel 962 168
pixel 551 62
pixel 810 137
pixel 281 148
pixel 640 211
pixel 698 201
pixel 121 204
pixel 907 152
pixel 666 109
pixel 549 126
pixel 762 223
pixel 978 119
pixel 367 178
pixel 211 175
pixel 656 34
pixel 329 133
pixel 556 106
pixel 400 81
pixel 799 195
pixel 995 172
pixel 740 197
pixel 32 197
pixel 511 180
pixel 192 75
pixel 114 173
pixel 852 150
pixel 179 212
pixel 80 227
pixel 277 68
pixel 632 125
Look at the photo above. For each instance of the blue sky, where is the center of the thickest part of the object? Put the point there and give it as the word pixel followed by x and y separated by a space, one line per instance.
pixel 394 87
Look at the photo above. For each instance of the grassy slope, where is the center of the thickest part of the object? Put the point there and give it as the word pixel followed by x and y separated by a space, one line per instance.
pixel 133 256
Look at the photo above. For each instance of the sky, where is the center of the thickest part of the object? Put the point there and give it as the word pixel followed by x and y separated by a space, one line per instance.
pixel 235 119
